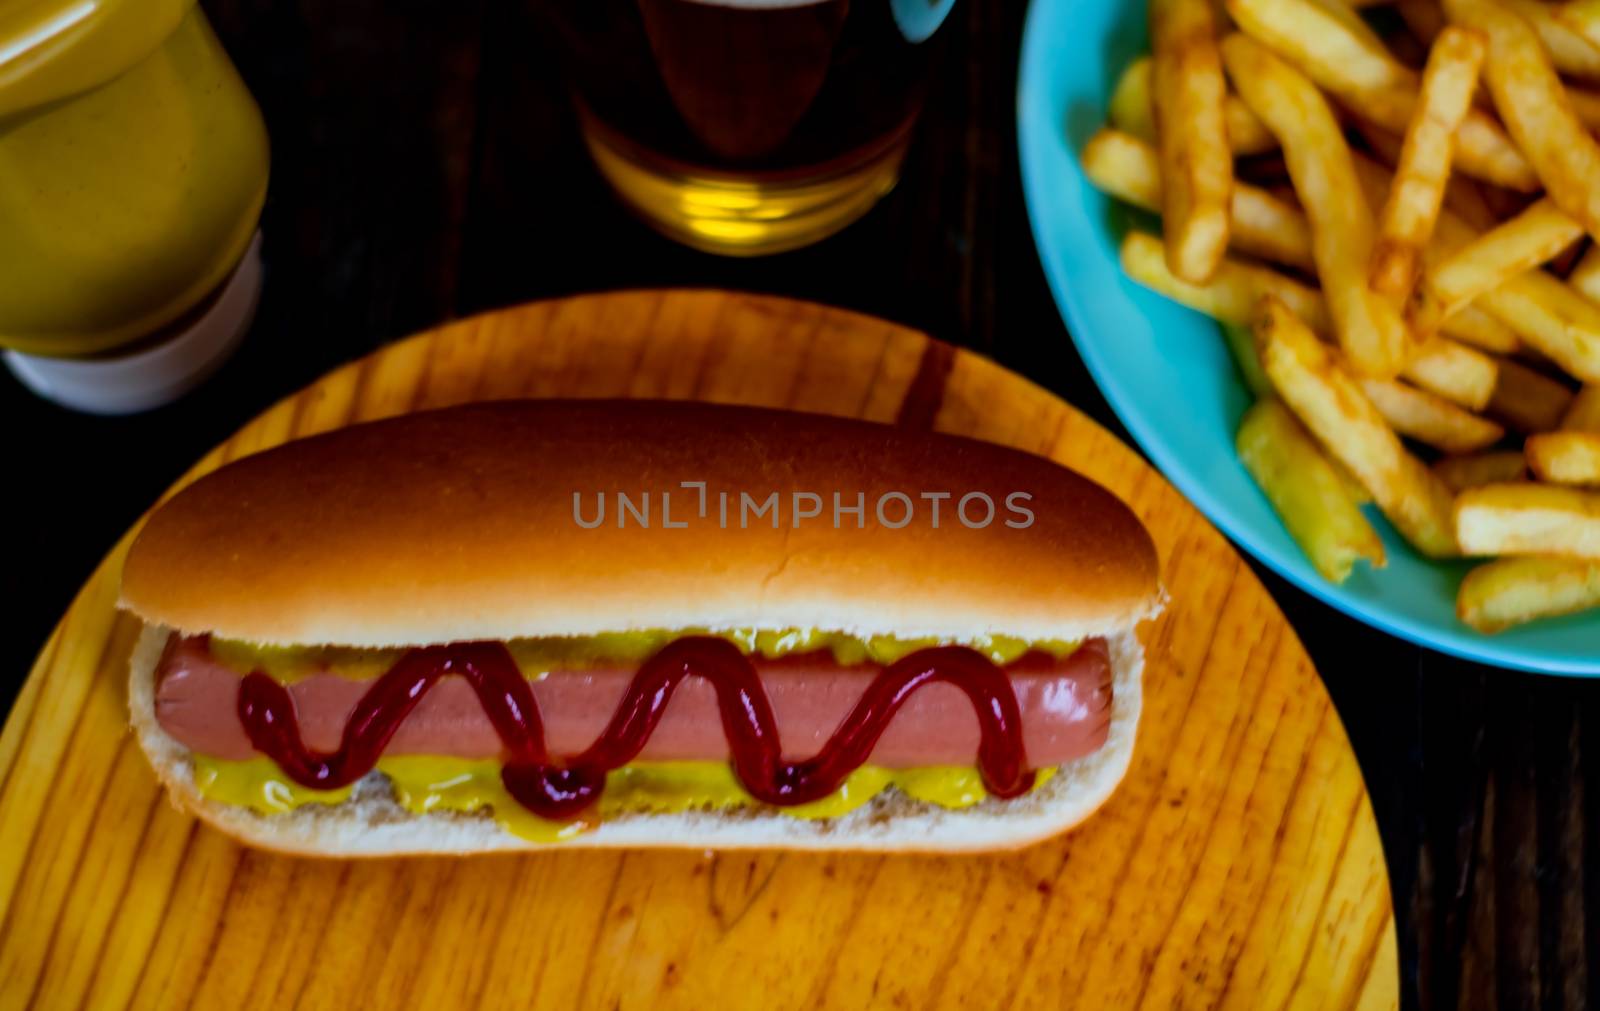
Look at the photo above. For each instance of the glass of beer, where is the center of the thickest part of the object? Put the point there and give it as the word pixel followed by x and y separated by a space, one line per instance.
pixel 747 127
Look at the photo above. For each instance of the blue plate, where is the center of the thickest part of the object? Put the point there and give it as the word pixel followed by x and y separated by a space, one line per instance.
pixel 1166 370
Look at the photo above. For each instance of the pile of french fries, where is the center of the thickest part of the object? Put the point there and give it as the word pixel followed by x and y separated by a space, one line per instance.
pixel 1393 208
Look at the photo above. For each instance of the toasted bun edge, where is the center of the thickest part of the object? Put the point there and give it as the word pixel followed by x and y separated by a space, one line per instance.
pixel 460 524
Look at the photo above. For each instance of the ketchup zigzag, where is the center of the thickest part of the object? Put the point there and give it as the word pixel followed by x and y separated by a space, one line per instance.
pixel 562 790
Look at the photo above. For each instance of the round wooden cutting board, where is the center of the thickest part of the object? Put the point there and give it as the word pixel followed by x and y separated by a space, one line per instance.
pixel 1239 865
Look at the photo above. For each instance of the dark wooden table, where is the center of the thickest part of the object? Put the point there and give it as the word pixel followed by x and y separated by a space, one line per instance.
pixel 425 166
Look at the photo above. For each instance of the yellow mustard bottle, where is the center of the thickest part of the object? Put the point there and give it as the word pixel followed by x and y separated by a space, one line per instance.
pixel 133 167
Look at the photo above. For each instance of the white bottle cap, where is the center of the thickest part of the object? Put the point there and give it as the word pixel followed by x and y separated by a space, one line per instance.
pixel 150 377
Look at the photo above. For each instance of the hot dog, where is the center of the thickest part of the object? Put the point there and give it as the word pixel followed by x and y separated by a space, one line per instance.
pixel 636 623
pixel 1065 705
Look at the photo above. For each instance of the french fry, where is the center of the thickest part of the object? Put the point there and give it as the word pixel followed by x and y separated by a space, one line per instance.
pixel 1471 325
pixel 1263 225
pixel 1247 135
pixel 1330 403
pixel 1233 291
pixel 1328 35
pixel 1462 196
pixel 1541 312
pixel 1463 472
pixel 1513 591
pixel 1569 51
pixel 1528 519
pixel 1125 166
pixel 1417 191
pixel 1581 17
pixel 1586 106
pixel 1187 91
pixel 1475 327
pixel 1585 277
pixel 1355 489
pixel 1130 112
pixel 1306 492
pixel 1483 150
pixel 1241 342
pixel 1336 49
pixel 1552 319
pixel 1369 328
pixel 1130 109
pixel 1268 227
pixel 1565 457
pixel 1451 370
pixel 1242 346
pixel 1430 419
pixel 1526 400
pixel 1528 240
pixel 1455 372
pixel 1584 413
pixel 1424 279
pixel 1531 100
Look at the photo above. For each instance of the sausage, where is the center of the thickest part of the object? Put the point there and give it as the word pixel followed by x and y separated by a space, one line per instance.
pixel 1065 705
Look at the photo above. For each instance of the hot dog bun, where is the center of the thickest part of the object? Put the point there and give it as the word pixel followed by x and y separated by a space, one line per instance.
pixel 458 524
pixel 371 824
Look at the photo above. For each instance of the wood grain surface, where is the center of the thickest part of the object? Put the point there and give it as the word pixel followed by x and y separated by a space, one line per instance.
pixel 1238 866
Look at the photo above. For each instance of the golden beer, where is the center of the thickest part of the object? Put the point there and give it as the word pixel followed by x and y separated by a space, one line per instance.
pixel 747 127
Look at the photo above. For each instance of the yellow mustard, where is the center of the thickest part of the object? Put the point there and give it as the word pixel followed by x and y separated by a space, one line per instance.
pixel 424 783
pixel 288 664
pixel 133 167
pixel 537 657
